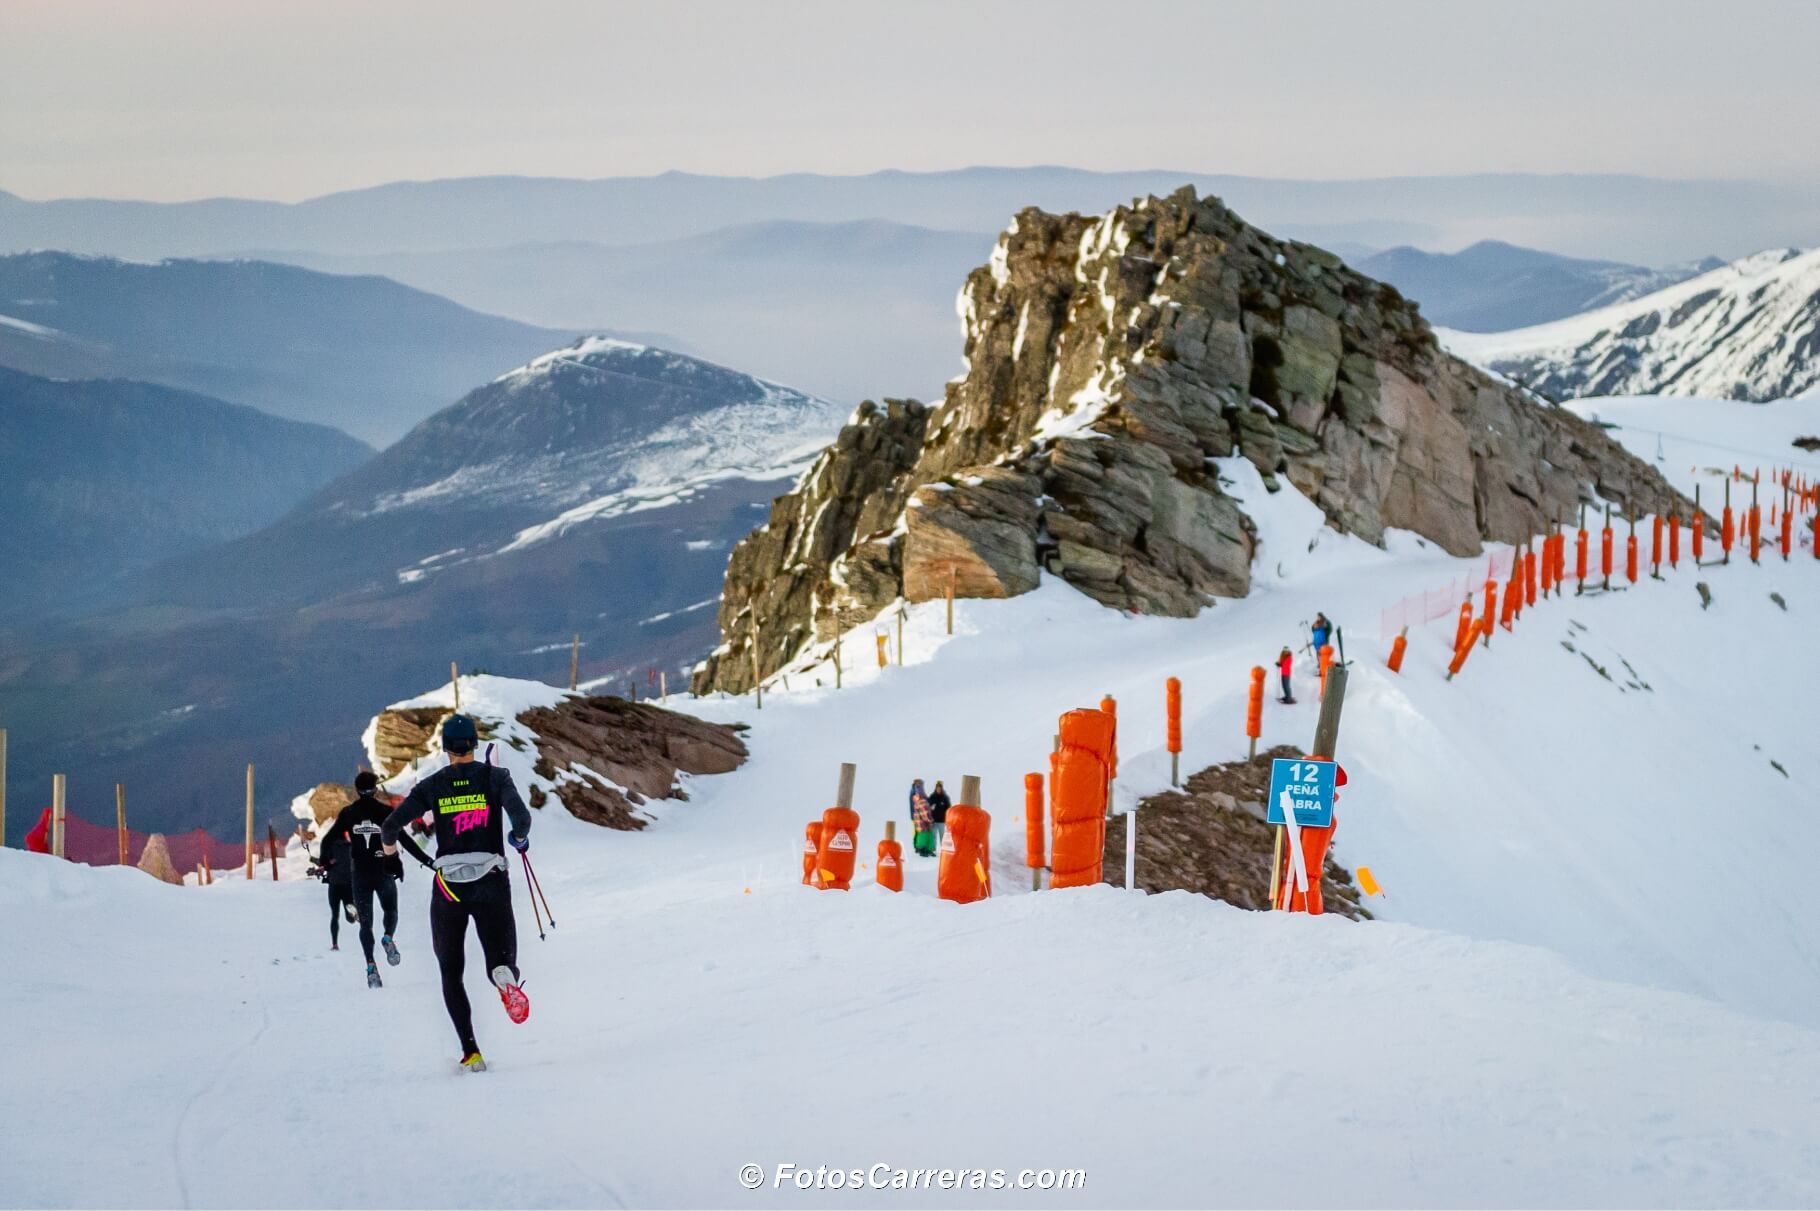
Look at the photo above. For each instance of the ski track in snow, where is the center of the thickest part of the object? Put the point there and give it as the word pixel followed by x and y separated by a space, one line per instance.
pixel 698 1009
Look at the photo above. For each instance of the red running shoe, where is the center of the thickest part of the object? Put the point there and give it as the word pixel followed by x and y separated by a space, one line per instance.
pixel 518 1005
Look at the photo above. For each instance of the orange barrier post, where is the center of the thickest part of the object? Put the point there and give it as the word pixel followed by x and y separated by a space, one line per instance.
pixel 1110 709
pixel 1254 708
pixel 1548 563
pixel 1398 646
pixel 1465 627
pixel 1529 575
pixel 1674 541
pixel 839 849
pixel 1172 716
pixel 1788 533
pixel 1513 590
pixel 1728 525
pixel 1507 613
pixel 1491 610
pixel 1580 562
pixel 1655 547
pixel 1814 535
pixel 1326 660
pixel 1605 548
pixel 966 869
pixel 1033 829
pixel 891 860
pixel 1464 649
pixel 1756 529
pixel 812 844
pixel 1077 810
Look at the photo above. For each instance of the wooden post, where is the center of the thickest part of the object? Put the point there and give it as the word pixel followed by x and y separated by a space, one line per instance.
pixel 574 660
pixel 843 793
pixel 951 599
pixel 891 830
pixel 901 611
pixel 2 788
pixel 837 675
pixel 271 847
pixel 970 790
pixel 120 818
pixel 249 821
pixel 663 686
pixel 455 680
pixel 58 806
pixel 758 685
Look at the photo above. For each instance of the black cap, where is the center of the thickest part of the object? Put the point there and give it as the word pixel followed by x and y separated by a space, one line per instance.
pixel 366 782
pixel 459 734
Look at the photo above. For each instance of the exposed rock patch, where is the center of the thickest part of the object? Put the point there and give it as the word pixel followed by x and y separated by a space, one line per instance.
pixel 401 737
pixel 1210 837
pixel 155 860
pixel 608 756
pixel 326 800
pixel 1109 361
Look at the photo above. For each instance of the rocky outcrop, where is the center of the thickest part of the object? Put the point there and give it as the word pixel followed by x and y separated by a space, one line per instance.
pixel 608 757
pixel 325 801
pixel 1110 362
pixel 403 736
pixel 1211 837
pixel 155 860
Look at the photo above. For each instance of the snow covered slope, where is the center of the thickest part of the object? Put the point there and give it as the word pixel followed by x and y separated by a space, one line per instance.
pixel 697 1010
pixel 1750 330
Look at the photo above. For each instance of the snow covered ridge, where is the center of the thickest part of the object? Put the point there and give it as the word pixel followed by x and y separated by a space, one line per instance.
pixel 1748 331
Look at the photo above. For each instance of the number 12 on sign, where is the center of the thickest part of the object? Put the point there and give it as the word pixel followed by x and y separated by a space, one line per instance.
pixel 1309 785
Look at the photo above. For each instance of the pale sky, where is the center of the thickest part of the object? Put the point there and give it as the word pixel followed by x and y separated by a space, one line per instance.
pixel 286 99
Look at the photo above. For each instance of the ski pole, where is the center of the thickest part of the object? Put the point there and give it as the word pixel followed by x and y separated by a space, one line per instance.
pixel 531 889
pixel 538 888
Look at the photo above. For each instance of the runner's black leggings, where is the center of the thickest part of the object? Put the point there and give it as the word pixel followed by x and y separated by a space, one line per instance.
pixel 339 894
pixel 487 901
pixel 364 889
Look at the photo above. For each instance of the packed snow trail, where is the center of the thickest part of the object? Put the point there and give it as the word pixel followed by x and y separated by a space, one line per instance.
pixel 1178 1050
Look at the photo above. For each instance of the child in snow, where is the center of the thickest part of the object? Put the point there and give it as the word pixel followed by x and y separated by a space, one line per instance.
pixel 1285 663
pixel 922 821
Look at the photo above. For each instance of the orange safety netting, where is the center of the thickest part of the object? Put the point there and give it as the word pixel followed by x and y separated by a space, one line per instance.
pixel 98 845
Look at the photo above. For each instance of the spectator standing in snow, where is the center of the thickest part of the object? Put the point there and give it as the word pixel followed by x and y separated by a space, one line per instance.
pixel 939 803
pixel 1320 632
pixel 922 821
pixel 1286 664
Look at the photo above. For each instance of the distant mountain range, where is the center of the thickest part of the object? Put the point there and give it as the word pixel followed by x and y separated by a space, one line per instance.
pixel 1749 330
pixel 100 478
pixel 846 309
pixel 1634 219
pixel 595 490
pixel 366 355
pixel 1493 286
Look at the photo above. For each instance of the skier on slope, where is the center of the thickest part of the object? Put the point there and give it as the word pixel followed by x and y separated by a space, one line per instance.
pixel 336 867
pixel 1319 632
pixel 1285 665
pixel 374 872
pixel 465 798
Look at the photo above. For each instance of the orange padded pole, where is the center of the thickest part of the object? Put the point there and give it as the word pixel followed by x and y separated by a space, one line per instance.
pixel 1397 647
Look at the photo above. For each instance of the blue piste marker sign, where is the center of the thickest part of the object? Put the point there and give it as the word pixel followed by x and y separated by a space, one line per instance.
pixel 1309 785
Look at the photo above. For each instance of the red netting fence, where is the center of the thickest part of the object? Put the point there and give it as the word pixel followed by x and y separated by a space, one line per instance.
pixel 1431 605
pixel 99 845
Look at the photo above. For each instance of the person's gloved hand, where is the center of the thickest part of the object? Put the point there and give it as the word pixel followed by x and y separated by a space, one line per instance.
pixel 521 844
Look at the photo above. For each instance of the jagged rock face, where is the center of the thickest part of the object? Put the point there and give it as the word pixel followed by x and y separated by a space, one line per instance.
pixel 155 860
pixel 780 587
pixel 609 756
pixel 326 800
pixel 401 737
pixel 1110 361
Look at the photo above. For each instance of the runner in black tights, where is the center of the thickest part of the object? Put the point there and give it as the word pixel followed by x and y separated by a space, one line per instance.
pixel 375 874
pixel 466 800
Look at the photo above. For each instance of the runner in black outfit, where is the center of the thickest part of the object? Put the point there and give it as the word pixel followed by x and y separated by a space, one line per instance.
pixel 336 869
pixel 465 799
pixel 375 872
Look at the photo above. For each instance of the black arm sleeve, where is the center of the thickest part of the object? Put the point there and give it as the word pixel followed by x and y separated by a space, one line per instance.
pixel 411 846
pixel 414 806
pixel 516 811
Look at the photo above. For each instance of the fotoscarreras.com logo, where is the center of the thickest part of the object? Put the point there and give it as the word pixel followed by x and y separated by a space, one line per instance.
pixel 886 1176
